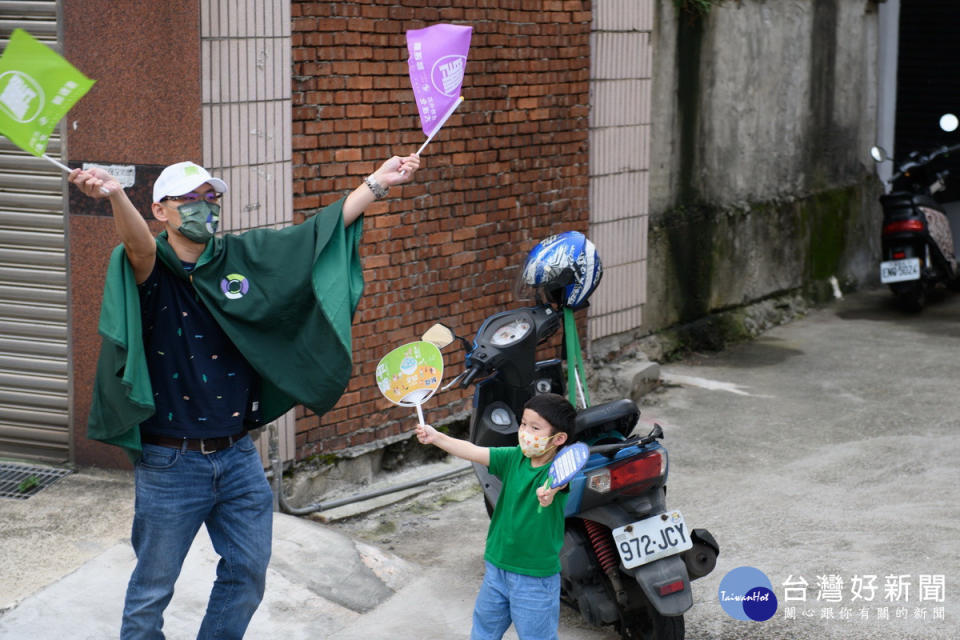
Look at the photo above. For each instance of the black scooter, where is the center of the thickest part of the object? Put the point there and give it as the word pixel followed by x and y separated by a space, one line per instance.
pixel 917 246
pixel 626 560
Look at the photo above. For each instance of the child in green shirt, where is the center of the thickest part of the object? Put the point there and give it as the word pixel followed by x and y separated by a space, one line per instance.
pixel 522 579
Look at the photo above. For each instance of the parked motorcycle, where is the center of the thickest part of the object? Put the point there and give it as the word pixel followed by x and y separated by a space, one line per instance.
pixel 627 560
pixel 917 247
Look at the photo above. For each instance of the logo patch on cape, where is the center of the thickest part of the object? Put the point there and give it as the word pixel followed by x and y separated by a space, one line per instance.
pixel 235 286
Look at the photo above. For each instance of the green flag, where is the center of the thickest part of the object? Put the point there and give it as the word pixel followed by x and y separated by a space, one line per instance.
pixel 37 88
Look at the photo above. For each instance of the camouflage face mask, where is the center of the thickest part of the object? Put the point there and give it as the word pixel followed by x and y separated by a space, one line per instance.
pixel 199 220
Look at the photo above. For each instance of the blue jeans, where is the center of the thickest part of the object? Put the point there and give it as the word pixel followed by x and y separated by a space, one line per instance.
pixel 176 492
pixel 531 603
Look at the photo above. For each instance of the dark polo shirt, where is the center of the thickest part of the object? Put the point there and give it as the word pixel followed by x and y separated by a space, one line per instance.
pixel 202 386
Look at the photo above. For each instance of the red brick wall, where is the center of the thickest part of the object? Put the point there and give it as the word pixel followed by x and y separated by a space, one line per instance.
pixel 509 168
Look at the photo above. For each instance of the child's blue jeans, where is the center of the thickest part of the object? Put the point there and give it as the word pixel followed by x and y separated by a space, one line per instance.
pixel 531 603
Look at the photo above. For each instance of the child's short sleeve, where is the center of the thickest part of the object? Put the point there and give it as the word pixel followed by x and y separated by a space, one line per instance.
pixel 499 458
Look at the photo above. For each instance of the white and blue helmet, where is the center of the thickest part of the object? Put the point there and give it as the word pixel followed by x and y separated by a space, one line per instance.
pixel 566 267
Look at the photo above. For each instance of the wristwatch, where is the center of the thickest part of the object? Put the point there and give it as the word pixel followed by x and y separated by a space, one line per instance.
pixel 379 191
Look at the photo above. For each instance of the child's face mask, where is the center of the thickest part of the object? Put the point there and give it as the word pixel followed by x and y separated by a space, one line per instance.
pixel 199 220
pixel 533 445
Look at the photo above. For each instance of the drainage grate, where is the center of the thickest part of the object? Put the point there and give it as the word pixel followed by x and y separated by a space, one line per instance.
pixel 21 481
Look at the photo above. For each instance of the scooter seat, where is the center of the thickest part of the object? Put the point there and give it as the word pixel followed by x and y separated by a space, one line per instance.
pixel 620 416
pixel 905 201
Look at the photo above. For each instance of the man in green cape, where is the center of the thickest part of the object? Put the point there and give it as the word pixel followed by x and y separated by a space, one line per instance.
pixel 203 339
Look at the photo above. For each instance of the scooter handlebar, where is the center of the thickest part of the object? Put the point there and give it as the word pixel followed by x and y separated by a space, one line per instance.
pixel 913 162
pixel 463 379
pixel 471 373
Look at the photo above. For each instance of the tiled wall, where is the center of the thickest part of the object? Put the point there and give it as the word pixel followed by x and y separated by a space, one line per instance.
pixel 246 122
pixel 245 89
pixel 620 82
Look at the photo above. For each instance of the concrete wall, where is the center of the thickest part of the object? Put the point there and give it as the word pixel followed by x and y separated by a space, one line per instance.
pixel 760 179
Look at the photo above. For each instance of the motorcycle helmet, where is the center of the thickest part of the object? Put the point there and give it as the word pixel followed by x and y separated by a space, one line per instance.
pixel 565 268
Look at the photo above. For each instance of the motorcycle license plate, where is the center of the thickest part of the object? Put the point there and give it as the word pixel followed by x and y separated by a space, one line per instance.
pixel 651 539
pixel 900 270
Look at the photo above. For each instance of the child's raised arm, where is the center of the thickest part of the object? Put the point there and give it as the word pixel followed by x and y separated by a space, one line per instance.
pixel 454 446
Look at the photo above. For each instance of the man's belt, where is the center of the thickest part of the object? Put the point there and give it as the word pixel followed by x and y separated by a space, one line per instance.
pixel 203 445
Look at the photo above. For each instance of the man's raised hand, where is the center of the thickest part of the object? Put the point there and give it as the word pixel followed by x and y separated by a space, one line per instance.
pixel 95 183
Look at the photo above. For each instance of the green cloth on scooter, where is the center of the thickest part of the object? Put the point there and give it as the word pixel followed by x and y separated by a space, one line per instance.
pixel 286 299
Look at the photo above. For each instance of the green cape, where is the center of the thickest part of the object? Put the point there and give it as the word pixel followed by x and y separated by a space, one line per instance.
pixel 292 323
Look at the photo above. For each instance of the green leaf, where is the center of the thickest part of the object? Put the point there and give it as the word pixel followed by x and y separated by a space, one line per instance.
pixel 28 483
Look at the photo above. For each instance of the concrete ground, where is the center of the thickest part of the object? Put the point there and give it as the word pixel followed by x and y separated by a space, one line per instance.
pixel 824 452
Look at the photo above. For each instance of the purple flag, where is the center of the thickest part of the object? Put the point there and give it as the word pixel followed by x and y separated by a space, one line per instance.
pixel 438 58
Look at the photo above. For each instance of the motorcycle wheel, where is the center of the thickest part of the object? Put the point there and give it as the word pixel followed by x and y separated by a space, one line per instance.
pixel 640 620
pixel 911 298
pixel 651 625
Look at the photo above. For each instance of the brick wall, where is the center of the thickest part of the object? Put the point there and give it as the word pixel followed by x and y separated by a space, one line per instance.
pixel 509 168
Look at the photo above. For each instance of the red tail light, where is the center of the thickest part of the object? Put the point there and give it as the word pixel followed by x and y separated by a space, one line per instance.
pixel 673 587
pixel 901 226
pixel 631 476
pixel 899 255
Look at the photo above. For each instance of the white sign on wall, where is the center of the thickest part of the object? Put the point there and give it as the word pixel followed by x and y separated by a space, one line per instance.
pixel 125 174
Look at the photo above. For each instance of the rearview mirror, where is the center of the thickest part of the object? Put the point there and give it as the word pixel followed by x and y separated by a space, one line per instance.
pixel 878 154
pixel 440 335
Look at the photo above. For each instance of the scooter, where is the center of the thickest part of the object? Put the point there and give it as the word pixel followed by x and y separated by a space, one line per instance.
pixel 917 247
pixel 627 560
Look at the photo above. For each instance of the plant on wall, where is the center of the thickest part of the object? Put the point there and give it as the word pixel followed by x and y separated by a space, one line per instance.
pixel 696 7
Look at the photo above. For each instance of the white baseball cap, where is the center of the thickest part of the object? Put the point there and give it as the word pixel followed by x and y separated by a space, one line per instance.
pixel 184 177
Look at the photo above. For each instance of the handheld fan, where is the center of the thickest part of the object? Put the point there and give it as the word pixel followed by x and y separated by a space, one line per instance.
pixel 566 464
pixel 410 374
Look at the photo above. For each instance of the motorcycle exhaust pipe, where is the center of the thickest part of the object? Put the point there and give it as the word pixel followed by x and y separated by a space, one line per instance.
pixel 701 558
